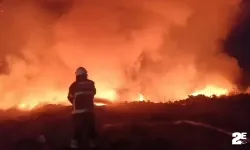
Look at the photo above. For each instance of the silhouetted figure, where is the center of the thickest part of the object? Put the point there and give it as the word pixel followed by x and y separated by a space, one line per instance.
pixel 81 95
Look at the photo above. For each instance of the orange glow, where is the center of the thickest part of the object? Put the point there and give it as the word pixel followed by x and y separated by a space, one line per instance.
pixel 107 94
pixel 27 106
pixel 141 98
pixel 100 104
pixel 149 50
pixel 30 103
pixel 210 91
pixel 35 102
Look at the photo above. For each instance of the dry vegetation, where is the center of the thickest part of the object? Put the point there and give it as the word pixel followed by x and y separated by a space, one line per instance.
pixel 138 125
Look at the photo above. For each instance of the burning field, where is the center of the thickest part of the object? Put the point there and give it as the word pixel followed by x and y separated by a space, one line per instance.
pixel 166 72
pixel 134 50
pixel 195 123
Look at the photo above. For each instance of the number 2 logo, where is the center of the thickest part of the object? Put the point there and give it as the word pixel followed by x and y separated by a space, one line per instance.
pixel 237 138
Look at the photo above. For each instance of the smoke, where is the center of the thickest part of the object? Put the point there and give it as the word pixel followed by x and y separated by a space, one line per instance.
pixel 163 49
pixel 237 43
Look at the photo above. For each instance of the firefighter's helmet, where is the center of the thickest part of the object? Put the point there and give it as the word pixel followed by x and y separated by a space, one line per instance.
pixel 81 71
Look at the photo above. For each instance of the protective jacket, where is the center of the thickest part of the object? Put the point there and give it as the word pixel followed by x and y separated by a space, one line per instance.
pixel 81 95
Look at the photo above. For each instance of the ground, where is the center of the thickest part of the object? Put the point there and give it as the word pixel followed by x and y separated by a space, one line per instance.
pixel 137 125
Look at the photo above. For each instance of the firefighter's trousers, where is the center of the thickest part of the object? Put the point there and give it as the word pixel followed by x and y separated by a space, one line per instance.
pixel 84 128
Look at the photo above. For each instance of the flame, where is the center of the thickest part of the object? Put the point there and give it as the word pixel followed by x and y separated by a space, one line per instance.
pixel 170 50
pixel 100 104
pixel 141 98
pixel 27 106
pixel 30 103
pixel 210 91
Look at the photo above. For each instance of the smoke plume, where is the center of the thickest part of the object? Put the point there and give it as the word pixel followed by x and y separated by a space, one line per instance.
pixel 165 50
pixel 237 43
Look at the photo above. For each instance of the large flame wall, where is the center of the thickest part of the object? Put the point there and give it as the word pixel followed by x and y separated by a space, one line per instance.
pixel 163 50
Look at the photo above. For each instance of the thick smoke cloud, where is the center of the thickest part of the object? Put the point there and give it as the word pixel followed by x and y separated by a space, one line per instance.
pixel 163 49
pixel 237 42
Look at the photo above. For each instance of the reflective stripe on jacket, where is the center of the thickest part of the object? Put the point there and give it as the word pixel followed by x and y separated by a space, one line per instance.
pixel 81 95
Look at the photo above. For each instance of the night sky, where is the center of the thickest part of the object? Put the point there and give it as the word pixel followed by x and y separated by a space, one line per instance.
pixel 237 43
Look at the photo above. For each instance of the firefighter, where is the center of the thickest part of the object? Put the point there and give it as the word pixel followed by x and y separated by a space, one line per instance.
pixel 81 96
